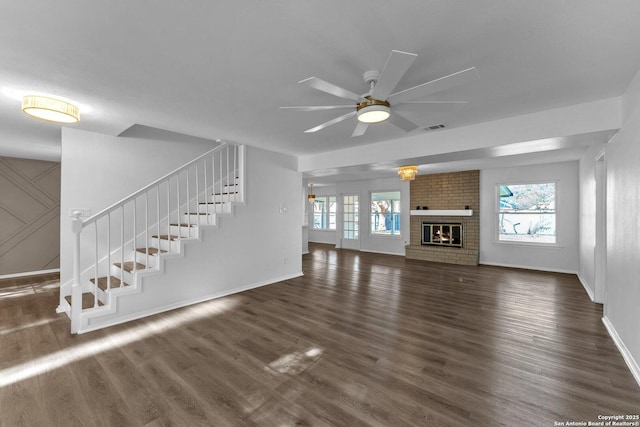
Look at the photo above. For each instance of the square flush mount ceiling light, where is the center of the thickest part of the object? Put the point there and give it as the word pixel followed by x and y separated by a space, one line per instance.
pixel 50 109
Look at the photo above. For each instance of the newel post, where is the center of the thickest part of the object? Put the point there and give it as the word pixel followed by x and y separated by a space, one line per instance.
pixel 76 286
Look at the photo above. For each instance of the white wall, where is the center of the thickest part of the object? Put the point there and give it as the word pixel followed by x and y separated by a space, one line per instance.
pixel 622 306
pixel 368 243
pixel 564 257
pixel 588 218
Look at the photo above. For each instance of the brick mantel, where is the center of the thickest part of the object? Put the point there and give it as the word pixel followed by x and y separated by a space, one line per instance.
pixel 446 194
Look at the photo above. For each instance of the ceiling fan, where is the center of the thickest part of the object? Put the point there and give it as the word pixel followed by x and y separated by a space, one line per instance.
pixel 380 103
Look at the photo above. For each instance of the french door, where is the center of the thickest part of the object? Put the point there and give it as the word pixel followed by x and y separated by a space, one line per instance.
pixel 350 222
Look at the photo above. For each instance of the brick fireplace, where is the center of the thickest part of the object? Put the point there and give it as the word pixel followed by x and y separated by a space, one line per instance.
pixel 444 200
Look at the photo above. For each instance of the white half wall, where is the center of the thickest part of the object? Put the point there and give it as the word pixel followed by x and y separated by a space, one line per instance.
pixel 562 258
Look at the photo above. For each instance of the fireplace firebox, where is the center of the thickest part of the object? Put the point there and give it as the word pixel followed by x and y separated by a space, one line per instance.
pixel 442 234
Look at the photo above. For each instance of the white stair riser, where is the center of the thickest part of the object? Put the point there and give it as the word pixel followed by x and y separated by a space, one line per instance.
pixel 210 208
pixel 184 231
pixel 225 197
pixel 199 219
pixel 124 275
pixel 142 259
pixel 171 246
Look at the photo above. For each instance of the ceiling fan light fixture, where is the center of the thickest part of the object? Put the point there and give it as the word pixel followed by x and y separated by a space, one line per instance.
pixel 408 173
pixel 373 111
pixel 50 109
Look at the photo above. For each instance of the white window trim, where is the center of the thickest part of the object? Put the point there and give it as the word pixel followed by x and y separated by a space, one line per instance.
pixel 496 207
pixel 372 235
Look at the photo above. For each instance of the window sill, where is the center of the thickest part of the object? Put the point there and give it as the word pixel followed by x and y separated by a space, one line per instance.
pixel 385 236
pixel 554 246
pixel 322 229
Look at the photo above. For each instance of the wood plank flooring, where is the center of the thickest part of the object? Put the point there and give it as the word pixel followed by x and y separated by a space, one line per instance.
pixel 360 339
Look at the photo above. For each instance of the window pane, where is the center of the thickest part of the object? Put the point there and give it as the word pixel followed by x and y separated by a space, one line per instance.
pixel 350 217
pixel 385 213
pixel 526 213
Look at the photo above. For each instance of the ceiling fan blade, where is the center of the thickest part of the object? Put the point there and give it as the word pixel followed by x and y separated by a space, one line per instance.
pixel 331 122
pixel 327 87
pixel 397 65
pixel 452 80
pixel 360 129
pixel 420 106
pixel 401 122
pixel 319 107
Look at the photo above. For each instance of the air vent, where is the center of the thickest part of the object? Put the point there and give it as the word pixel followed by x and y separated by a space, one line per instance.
pixel 435 127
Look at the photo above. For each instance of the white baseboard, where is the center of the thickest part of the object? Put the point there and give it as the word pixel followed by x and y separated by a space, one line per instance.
pixel 29 273
pixel 586 288
pixel 157 310
pixel 381 252
pixel 626 354
pixel 529 267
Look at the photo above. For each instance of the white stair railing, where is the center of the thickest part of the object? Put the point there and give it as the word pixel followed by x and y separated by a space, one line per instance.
pixel 169 208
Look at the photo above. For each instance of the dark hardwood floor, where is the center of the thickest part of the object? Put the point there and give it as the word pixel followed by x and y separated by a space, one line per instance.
pixel 360 339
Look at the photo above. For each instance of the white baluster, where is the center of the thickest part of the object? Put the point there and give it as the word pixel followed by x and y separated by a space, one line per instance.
pixel 158 218
pixel 76 286
pixel 235 172
pixel 221 187
pixel 95 268
pixel 178 201
pixel 135 203
pixel 206 197
pixel 121 244
pixel 168 211
pixel 187 207
pixel 146 229
pixel 197 194
pixel 108 251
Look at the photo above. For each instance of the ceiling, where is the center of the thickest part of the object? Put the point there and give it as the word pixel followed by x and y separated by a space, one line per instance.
pixel 222 69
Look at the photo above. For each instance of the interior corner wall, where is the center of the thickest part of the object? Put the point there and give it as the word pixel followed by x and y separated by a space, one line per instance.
pixel 30 216
pixel 623 229
pixel 564 257
pixel 588 218
pixel 99 170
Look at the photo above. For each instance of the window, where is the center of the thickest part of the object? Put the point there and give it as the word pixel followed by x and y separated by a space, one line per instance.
pixel 350 217
pixel 385 213
pixel 324 213
pixel 527 213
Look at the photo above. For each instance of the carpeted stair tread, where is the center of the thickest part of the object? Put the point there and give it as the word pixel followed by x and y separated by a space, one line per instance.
pixel 183 224
pixel 102 282
pixel 128 266
pixel 88 300
pixel 152 251
pixel 166 237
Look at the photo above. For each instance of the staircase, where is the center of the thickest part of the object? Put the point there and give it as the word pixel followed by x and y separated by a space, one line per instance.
pixel 119 250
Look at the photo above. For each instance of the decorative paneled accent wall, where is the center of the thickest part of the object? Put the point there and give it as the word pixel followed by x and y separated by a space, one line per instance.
pixel 446 191
pixel 29 215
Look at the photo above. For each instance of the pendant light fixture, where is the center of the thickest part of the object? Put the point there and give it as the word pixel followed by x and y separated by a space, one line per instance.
pixel 408 173
pixel 311 197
